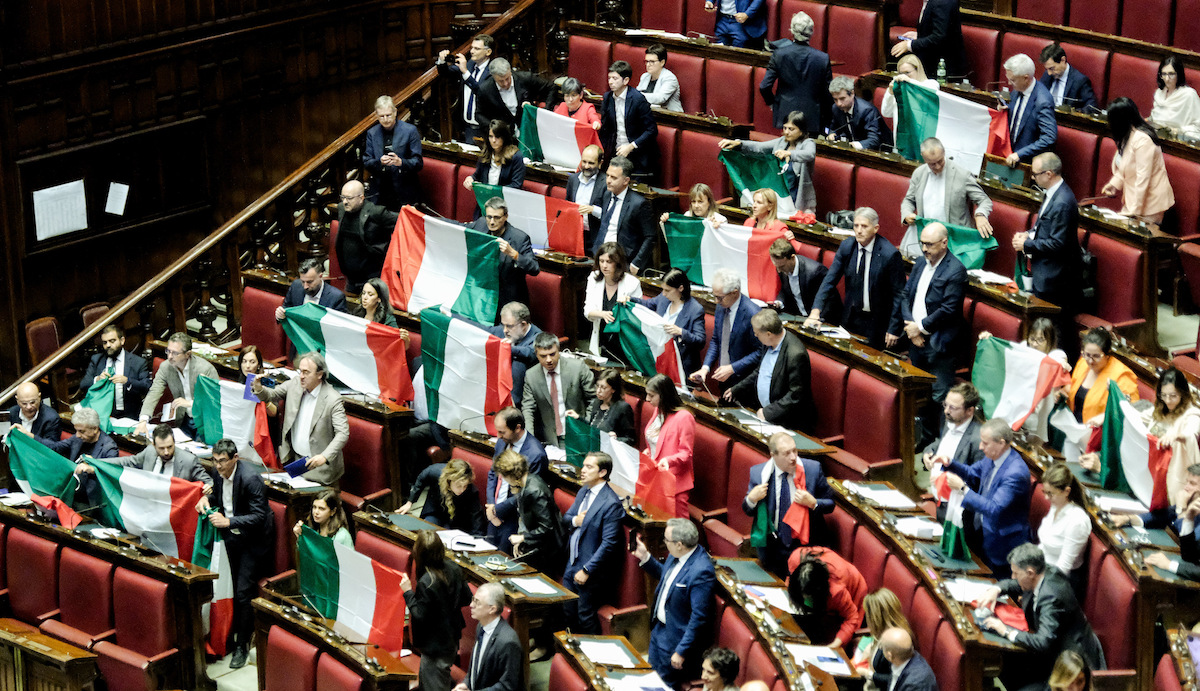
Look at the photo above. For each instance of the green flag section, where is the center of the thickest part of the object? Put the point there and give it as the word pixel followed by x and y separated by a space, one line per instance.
pixel 1013 379
pixel 751 172
pixel 221 411
pixel 210 553
pixel 38 470
pixel 551 223
pixel 555 139
pixel 362 596
pixel 363 355
pixel 760 530
pixel 1021 275
pixel 582 439
pixel 158 508
pixel 965 243
pixel 467 371
pixel 432 261
pixel 954 537
pixel 101 397
pixel 968 130
pixel 698 249
pixel 1130 460
pixel 647 345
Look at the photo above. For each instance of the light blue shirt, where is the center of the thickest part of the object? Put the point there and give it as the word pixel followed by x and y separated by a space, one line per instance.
pixel 765 370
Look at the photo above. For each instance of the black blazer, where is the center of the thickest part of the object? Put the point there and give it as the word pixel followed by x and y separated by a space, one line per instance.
pixel 403 185
pixel 1054 254
pixel 253 518
pixel 791 403
pixel 47 426
pixel 619 419
pixel 513 271
pixel 803 73
pixel 136 371
pixel 501 666
pixel 640 128
pixel 468 509
pixel 363 240
pixel 939 36
pixel 1078 92
pixel 864 125
pixel 598 190
pixel 530 88
pixel 811 274
pixel 887 285
pixel 1056 623
pixel 512 174
pixel 331 297
pixel 436 609
pixel 636 228
pixel 1189 565
pixel 967 452
pixel 544 536
pixel 943 301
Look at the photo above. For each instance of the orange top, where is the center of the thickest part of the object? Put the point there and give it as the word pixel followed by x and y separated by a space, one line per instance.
pixel 1097 396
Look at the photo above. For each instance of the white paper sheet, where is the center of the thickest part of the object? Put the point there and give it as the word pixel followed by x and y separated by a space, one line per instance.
pixel 533 586
pixel 59 209
pixel 180 435
pixel 637 682
pixel 967 589
pixel 986 276
pixel 606 653
pixel 302 483
pixel 884 496
pixel 118 194
pixel 1120 504
pixel 776 597
pixel 459 541
pixel 835 332
pixel 15 499
pixel 918 527
pixel 822 656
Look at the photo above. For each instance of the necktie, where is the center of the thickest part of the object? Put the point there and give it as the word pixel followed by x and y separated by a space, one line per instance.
pixel 785 503
pixel 1016 115
pixel 480 634
pixel 983 491
pixel 575 536
pixel 1059 87
pixel 726 332
pixel 606 219
pixel 112 366
pixel 864 270
pixel 558 425
pixel 471 98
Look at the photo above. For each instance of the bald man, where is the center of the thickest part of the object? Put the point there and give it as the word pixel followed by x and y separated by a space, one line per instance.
pixel 37 418
pixel 364 233
pixel 910 671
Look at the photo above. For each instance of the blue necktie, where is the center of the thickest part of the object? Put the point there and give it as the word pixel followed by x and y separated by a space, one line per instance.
pixel 575 536
pixel 1015 111
pixel 471 98
pixel 785 503
pixel 605 219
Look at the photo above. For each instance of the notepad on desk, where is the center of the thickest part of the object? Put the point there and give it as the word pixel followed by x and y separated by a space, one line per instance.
pixel 607 653
pixel 967 589
pixel 776 597
pixel 1120 505
pixel 459 541
pixel 886 497
pixel 919 527
pixel 533 586
pixel 821 656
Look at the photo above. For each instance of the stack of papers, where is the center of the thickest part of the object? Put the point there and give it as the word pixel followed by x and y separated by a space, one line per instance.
pixel 637 682
pixel 884 496
pixel 821 656
pixel 985 276
pixel 533 586
pixel 967 589
pixel 15 499
pixel 459 541
pixel 206 349
pixel 835 332
pixel 1113 504
pixel 776 597
pixel 919 527
pixel 610 653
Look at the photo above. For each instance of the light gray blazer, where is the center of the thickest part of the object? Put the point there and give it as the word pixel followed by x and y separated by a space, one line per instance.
pixel 579 390
pixel 802 163
pixel 183 466
pixel 666 91
pixel 962 191
pixel 330 428
pixel 167 379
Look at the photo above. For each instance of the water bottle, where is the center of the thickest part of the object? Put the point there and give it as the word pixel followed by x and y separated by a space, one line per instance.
pixel 941 71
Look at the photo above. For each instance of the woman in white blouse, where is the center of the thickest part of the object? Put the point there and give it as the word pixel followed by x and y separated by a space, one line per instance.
pixel 1063 534
pixel 909 69
pixel 1176 105
pixel 608 285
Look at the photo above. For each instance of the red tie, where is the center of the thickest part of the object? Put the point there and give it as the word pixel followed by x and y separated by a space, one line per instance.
pixel 558 426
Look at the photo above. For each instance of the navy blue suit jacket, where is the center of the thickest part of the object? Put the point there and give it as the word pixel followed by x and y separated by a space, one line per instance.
pixel 745 351
pixel 136 371
pixel 523 357
pixel 598 190
pixel 1054 254
pixel 640 128
pixel 47 426
pixel 939 36
pixel 691 320
pixel 756 11
pixel 513 287
pixel 402 181
pixel 601 548
pixel 1039 128
pixel 887 286
pixel 811 274
pixel 814 483
pixel 943 301
pixel 331 297
pixel 251 514
pixel 865 125
pixel 72 447
pixel 689 604
pixel 803 73
pixel 1078 93
pixel 1004 509
pixel 917 675
pixel 636 228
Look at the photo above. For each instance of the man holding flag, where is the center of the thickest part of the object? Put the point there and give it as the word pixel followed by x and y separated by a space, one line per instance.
pixel 128 372
pixel 941 190
pixel 516 252
pixel 595 550
pixel 163 457
pixel 779 390
pixel 315 427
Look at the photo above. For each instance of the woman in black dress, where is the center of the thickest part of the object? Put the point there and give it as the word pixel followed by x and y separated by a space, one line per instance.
pixel 540 541
pixel 451 498
pixel 435 605
pixel 609 412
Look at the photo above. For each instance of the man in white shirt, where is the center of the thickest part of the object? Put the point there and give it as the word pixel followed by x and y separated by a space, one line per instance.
pixel 129 373
pixel 315 427
pixel 960 436
pixel 471 72
pixel 942 191
pixel 587 188
pixel 502 96
pixel 497 660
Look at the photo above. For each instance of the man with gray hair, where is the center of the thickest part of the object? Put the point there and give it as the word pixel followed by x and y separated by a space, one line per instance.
pixel 681 611
pixel 177 378
pixel 516 251
pixel 89 439
pixel 516 329
pixel 392 154
pixel 501 96
pixel 315 427
pixel 874 273
pixel 1032 127
pixel 910 671
pixel 733 351
pixel 497 657
pixel 941 190
pixel 803 73
pixel 855 120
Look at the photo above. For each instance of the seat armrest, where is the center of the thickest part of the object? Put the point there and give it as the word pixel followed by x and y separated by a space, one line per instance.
pixel 700 515
pixel 102 636
pixel 52 614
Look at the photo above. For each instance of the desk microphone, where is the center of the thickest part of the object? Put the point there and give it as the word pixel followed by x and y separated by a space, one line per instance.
pixel 607 352
pixel 843 126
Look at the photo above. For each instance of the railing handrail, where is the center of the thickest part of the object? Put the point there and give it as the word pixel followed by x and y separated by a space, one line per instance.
pixel 419 84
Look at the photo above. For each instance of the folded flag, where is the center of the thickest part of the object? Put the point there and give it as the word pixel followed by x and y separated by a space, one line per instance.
pixel 432 261
pixel 363 355
pixel 362 596
pixel 699 249
pixel 1130 460
pixel 968 130
pixel 221 411
pixel 965 243
pixel 954 538
pixel 66 516
pixel 210 553
pixel 101 397
pixel 160 509
pixel 1013 379
pixel 797 516
pixel 551 223
pixel 467 371
pixel 1021 275
pixel 1067 434
pixel 582 439
pixel 656 486
pixel 650 349
pixel 555 139
pixel 751 172
pixel 38 470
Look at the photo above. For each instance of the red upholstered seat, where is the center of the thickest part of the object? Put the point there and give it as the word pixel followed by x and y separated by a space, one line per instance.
pixel 1011 44
pixel 758 665
pixel 764 118
pixel 1128 76
pixel 924 616
pixel 588 60
pixel 946 657
pixel 697 20
pixel 982 46
pixel 1145 20
pixel 1092 62
pixel 1096 15
pixel 84 599
pixel 1000 323
pixel 546 307
pixel 910 12
pixel 856 40
pixel 729 90
pixel 629 614
pixel 438 185
pixel 636 403
pixel 334 676
pixel 1186 37
pixel 689 69
pixel 366 460
pixel 93 312
pixel 480 464
pixel 883 192
pixel 698 162
pixel 145 632
pixel 668 156
pixel 1189 261
pixel 43 336
pixel 1104 158
pixel 563 500
pixel 1108 610
pixel 1118 305
pixel 811 251
pixel 536 187
pixel 562 675
pixel 818 11
pixel 873 430
pixel 710 462
pixel 291 663
pixel 634 55
pixel 1039 506
pixel 898 579
pixel 841 531
pixel 336 277
pixel 387 553
pixel 465 206
pixel 3 557
pixel 1081 148
pixel 1166 677
pixel 829 389
pixel 1183 174
pixel 667 16
pixel 1006 220
pixel 259 327
pixel 558 192
pixel 413 351
pixel 833 182
pixel 31 563
pixel 772 19
pixel 1049 11
pixel 741 459
pixel 735 635
pixel 870 557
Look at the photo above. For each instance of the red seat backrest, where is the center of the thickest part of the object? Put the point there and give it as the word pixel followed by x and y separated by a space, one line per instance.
pixel 841 532
pixel 1011 44
pixel 32 566
pixel 588 61
pixel 817 11
pixel 1039 506
pixel 632 589
pixel 1049 11
pixel 291 663
pixel 1001 324
pixel 558 192
pixel 536 187
pixel 1186 37
pixel 1145 20
pixel 697 20
pixel 873 431
pixel 336 278
pixel 1109 613
pixel 546 306
pixel 1007 220
pixel 1092 62
pixel 698 162
pixel 1129 76
pixel 636 403
pixel 366 458
pixel 1117 303
pixel 883 192
pixel 1100 16
pixel 910 12
pixel 729 90
pixel 142 613
pixel 562 674
pixel 634 55
pixel 387 553
pixel 870 557
pixel 689 70
pixel 466 206
pixel 668 157
pixel 1104 159
pixel 741 459
pixel 438 180
pixel 833 182
pixel 856 41
pixel 764 117
pixel 667 16
pixel 829 389
pixel 479 464
pixel 1166 677
pixel 1081 147
pixel 923 616
pixel 413 351
pixel 946 657
pixel 735 635
pixel 334 676
pixel 981 48
pixel 1183 173
pixel 758 665
pixel 563 500
pixel 898 579
pixel 283 538
pixel 85 592
pixel 710 462
pixel 259 327
pixel 811 251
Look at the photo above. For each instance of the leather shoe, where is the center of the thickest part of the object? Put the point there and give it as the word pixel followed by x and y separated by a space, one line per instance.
pixel 240 654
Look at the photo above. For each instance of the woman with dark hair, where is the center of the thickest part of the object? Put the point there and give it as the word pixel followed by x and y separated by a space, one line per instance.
pixel 1070 673
pixel 670 436
pixel 797 150
pixel 609 412
pixel 574 105
pixel 1088 394
pixel 611 281
pixel 250 362
pixel 435 605
pixel 500 162
pixel 828 615
pixel 1063 534
pixel 719 670
pixel 375 305
pixel 542 539
pixel 1176 105
pixel 451 498
pixel 684 314
pixel 1043 337
pixel 328 518
pixel 1139 171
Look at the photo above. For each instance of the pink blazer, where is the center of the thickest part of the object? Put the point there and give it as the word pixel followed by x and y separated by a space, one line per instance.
pixel 675 441
pixel 1142 175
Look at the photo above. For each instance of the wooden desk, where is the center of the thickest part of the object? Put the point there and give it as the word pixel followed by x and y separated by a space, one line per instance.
pixel 1179 638
pixel 29 659
pixel 595 672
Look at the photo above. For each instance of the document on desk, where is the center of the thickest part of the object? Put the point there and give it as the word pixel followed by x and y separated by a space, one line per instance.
pixel 180 435
pixel 776 597
pixel 821 656
pixel 459 541
pixel 533 586
pixel 967 589
pixel 1113 504
pixel 919 527
pixel 986 276
pixel 607 653
pixel 15 499
pixel 884 496
pixel 637 682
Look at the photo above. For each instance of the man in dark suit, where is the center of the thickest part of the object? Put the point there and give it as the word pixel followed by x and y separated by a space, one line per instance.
pixel 500 504
pixel 1052 248
pixel 910 671
pixel 128 372
pixel 557 385
pixel 635 135
pixel 497 660
pixel 470 72
pixel 392 154
pixel 247 526
pixel 681 611
pixel 803 73
pixel 515 328
pixel 997 496
pixel 311 287
pixel 775 482
pixel 1032 126
pixel 586 188
pixel 516 252
pixel 740 23
pixel 88 440
pixel 779 389
pixel 364 234
pixel 502 96
pixel 874 273
pixel 35 417
pixel 595 549
pixel 1067 85
pixel 938 37
pixel 625 216
pixel 1055 618
pixel 959 441
pixel 799 280
pixel 855 120
pixel 733 351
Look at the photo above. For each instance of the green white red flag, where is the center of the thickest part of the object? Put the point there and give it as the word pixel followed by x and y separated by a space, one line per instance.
pixel 650 349
pixel 160 509
pixel 221 411
pixel 967 129
pixel 467 371
pixel 698 249
pixel 210 553
pixel 555 139
pixel 1013 379
pixel 551 223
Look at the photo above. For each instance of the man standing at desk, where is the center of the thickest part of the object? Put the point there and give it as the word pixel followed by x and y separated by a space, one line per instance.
pixel 496 659
pixel 554 388
pixel 627 125
pixel 733 351
pixel 595 550
pixel 1032 126
pixel 803 73
pixel 129 374
pixel 314 419
pixel 501 502
pixel 940 190
pixel 177 377
pixel 779 389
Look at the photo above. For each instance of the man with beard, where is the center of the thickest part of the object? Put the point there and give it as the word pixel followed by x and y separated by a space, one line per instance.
pixel 129 374
pixel 364 233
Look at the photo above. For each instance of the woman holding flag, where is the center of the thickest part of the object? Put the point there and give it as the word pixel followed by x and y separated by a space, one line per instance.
pixel 250 362
pixel 500 162
pixel 684 314
pixel 670 435
pixel 908 69
pixel 764 214
pixel 1175 421
pixel 573 105
pixel 375 305
pixel 328 518
pixel 609 284
pixel 796 151
pixel 1088 393
pixel 609 412
pixel 701 204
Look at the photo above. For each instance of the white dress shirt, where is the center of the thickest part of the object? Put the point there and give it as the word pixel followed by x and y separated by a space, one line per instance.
pixel 619 106
pixel 583 193
pixel 934 197
pixel 919 311
pixel 302 427
pixel 660 609
pixel 1022 106
pixel 501 483
pixel 866 272
pixel 951 439
pixel 1063 535
pixel 118 367
pixel 610 233
pixel 509 96
pixel 493 174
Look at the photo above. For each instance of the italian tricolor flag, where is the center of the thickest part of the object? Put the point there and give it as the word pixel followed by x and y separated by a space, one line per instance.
pixel 752 172
pixel 365 356
pixel 555 139
pixel 210 553
pixel 159 508
pixel 1013 379
pixel 699 249
pixel 362 596
pixel 551 223
pixel 967 129
pixel 582 439
pixel 221 411
pixel 38 470
pixel 1130 460
pixel 650 349
pixel 436 262
pixel 954 537
pixel 467 371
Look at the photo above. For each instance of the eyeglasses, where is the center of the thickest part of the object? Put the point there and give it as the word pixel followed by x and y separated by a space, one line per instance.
pixel 353 196
pixel 1092 357
pixel 174 353
pixel 1035 174
pixel 1168 74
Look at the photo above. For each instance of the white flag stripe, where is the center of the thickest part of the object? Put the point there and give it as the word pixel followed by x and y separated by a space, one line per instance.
pixel 1075 434
pixel 1020 383
pixel 1135 454
pixel 443 270
pixel 626 461
pixel 656 336
pixel 964 128
pixel 557 134
pixel 527 212
pixel 356 591
pixel 347 355
pixel 237 418
pixel 146 508
pixel 465 360
pixel 726 247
